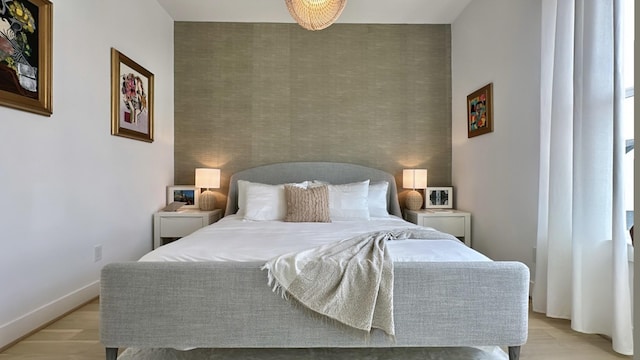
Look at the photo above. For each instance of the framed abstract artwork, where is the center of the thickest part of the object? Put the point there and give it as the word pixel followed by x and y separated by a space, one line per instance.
pixel 480 111
pixel 439 198
pixel 131 98
pixel 26 55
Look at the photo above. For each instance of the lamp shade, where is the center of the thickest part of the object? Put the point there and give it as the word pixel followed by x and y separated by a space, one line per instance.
pixel 315 14
pixel 414 178
pixel 207 178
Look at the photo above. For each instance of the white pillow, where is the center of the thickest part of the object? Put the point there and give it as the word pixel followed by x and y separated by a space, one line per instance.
pixel 349 201
pixel 242 196
pixel 265 202
pixel 258 200
pixel 316 183
pixel 378 199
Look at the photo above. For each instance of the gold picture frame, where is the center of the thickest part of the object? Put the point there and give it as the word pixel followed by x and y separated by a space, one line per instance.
pixel 131 98
pixel 480 111
pixel 26 55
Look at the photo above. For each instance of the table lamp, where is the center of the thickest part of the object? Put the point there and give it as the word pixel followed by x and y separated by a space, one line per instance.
pixel 414 179
pixel 207 179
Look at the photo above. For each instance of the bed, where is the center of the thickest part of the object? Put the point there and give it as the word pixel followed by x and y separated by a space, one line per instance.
pixel 175 299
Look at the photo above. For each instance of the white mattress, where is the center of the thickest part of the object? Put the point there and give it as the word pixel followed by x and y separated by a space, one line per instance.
pixel 235 239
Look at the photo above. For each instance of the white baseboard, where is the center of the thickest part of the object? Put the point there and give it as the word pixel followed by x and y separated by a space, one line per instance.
pixel 23 325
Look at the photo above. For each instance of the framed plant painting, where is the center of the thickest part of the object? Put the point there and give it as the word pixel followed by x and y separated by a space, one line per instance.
pixel 25 55
pixel 131 98
pixel 187 194
pixel 439 198
pixel 480 111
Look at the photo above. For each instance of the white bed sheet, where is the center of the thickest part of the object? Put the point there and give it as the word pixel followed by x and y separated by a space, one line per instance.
pixel 235 239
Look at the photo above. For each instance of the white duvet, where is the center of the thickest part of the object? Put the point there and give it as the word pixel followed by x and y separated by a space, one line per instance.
pixel 235 239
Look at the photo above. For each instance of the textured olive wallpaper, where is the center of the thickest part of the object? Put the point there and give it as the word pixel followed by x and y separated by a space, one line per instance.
pixel 250 94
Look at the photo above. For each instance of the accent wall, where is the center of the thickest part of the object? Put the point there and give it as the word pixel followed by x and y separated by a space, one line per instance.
pixel 249 94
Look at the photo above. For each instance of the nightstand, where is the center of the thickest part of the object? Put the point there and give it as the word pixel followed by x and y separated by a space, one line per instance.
pixel 454 222
pixel 176 224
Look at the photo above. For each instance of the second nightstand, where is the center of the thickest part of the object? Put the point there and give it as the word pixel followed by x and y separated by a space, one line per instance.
pixel 176 224
pixel 454 222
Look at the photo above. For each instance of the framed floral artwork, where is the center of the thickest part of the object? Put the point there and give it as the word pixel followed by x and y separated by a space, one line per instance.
pixel 480 111
pixel 131 98
pixel 25 55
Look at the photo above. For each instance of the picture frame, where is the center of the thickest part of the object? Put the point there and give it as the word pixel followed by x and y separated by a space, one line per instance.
pixel 438 198
pixel 131 98
pixel 26 55
pixel 183 193
pixel 480 111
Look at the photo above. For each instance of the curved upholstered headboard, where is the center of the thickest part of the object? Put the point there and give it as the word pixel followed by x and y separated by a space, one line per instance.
pixel 334 173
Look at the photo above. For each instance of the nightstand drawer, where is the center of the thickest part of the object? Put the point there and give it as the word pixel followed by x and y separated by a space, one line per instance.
pixel 179 226
pixel 176 224
pixel 453 225
pixel 454 222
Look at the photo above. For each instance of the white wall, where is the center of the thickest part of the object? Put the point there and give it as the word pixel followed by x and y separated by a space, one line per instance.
pixel 495 176
pixel 67 183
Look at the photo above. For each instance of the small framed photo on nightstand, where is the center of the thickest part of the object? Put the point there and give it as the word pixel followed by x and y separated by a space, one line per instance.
pixel 439 198
pixel 187 194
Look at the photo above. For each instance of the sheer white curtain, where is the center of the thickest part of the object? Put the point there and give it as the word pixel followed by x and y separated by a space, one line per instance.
pixel 582 270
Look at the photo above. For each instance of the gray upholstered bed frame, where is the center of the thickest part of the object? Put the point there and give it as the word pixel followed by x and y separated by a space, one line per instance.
pixel 221 305
pixel 335 173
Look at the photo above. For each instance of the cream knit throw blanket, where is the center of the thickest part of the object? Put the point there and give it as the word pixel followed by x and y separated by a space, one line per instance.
pixel 350 281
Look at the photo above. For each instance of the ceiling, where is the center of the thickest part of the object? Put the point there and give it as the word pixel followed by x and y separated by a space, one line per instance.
pixel 356 11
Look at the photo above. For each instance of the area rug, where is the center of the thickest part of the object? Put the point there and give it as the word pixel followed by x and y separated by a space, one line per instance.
pixel 464 353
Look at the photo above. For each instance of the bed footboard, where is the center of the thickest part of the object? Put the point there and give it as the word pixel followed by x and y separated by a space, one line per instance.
pixel 219 304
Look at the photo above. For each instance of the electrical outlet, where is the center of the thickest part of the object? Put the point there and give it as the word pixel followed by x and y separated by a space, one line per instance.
pixel 97 253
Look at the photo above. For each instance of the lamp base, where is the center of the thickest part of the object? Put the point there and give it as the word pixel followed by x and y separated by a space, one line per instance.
pixel 413 201
pixel 207 200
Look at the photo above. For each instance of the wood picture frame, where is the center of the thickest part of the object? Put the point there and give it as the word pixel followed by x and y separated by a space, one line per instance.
pixel 26 55
pixel 480 111
pixel 187 194
pixel 131 98
pixel 438 198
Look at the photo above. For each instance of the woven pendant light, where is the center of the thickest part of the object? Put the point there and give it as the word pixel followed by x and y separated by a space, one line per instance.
pixel 315 14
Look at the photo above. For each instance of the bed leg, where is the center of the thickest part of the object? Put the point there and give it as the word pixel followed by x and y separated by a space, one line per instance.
pixel 112 353
pixel 514 352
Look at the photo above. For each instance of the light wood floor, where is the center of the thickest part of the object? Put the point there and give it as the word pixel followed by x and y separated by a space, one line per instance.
pixel 75 337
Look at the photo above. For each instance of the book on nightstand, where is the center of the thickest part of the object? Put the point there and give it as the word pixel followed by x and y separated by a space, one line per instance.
pixel 440 210
pixel 174 206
